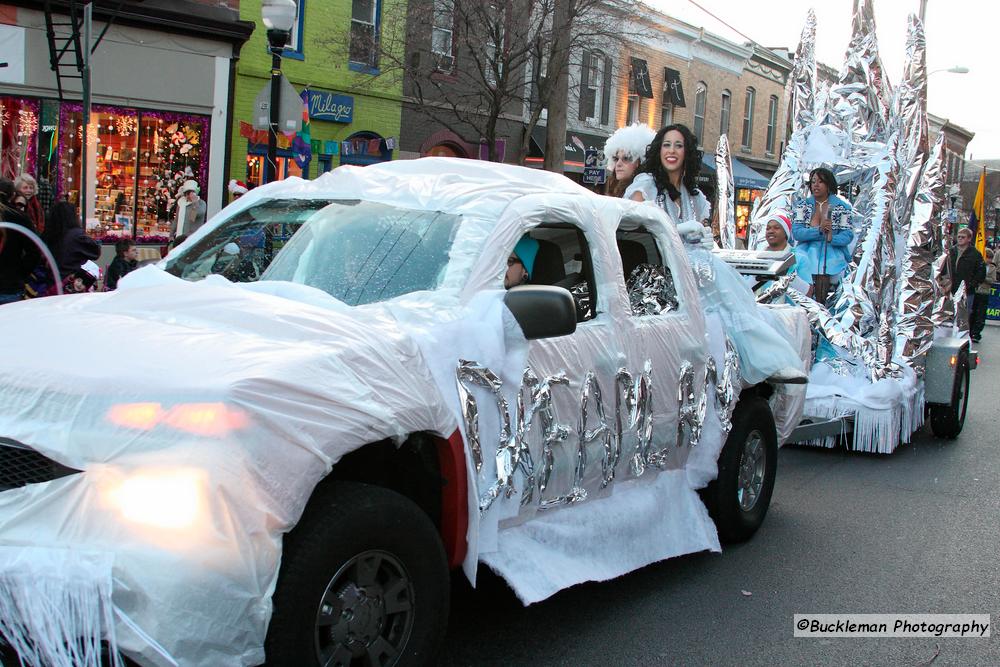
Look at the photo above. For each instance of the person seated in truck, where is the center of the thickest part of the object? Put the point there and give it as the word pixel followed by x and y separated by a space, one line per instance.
pixel 520 262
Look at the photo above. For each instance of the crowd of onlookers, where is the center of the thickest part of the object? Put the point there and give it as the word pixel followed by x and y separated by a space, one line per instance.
pixel 44 249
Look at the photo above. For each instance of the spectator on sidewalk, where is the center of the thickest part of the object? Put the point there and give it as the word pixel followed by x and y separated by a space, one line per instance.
pixel 967 266
pixel 28 187
pixel 18 254
pixel 982 297
pixel 125 261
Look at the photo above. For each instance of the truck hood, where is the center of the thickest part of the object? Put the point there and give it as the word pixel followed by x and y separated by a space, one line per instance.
pixel 307 370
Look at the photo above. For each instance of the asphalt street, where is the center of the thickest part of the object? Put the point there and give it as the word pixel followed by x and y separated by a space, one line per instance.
pixel 913 532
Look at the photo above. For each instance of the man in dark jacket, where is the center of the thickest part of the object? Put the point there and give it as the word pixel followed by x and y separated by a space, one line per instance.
pixel 966 265
pixel 18 254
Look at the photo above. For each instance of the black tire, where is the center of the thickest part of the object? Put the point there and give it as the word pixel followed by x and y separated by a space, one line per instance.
pixel 947 421
pixel 738 504
pixel 375 556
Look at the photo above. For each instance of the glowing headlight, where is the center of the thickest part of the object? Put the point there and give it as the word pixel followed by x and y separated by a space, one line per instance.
pixel 167 499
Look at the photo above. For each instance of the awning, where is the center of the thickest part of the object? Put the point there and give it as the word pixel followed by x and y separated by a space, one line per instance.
pixel 673 91
pixel 641 85
pixel 576 144
pixel 743 176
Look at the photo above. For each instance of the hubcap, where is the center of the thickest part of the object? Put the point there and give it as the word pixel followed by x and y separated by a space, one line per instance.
pixel 751 478
pixel 366 613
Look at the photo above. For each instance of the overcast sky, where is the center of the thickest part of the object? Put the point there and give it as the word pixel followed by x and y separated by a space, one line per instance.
pixel 959 32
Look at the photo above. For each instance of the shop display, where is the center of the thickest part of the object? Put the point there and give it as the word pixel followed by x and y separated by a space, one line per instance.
pixel 137 160
pixel 18 136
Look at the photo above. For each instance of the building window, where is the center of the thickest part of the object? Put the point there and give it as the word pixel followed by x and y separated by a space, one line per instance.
pixel 496 34
pixel 364 34
pixel 724 111
pixel 700 98
pixel 666 114
pixel 442 44
pixel 632 110
pixel 747 142
pixel 772 123
pixel 595 85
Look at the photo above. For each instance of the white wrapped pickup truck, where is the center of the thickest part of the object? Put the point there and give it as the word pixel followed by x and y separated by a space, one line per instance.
pixel 274 444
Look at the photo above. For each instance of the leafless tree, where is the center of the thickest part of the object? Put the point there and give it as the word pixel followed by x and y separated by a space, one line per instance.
pixel 478 67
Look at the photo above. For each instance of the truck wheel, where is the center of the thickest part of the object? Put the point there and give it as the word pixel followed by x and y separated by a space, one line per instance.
pixel 947 421
pixel 738 498
pixel 363 581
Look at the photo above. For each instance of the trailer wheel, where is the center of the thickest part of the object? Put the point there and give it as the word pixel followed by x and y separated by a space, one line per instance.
pixel 739 497
pixel 947 421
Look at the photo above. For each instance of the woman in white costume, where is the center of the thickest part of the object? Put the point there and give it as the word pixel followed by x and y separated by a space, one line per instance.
pixel 625 150
pixel 668 178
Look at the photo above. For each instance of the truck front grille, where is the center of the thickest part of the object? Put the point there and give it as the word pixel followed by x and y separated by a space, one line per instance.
pixel 21 465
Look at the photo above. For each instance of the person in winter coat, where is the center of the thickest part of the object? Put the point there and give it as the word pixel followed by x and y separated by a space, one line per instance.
pixel 125 261
pixel 982 297
pixel 67 241
pixel 966 264
pixel 27 186
pixel 18 254
pixel 822 229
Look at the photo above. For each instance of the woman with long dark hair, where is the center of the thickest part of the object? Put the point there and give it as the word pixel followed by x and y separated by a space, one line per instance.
pixel 67 241
pixel 669 180
pixel 669 176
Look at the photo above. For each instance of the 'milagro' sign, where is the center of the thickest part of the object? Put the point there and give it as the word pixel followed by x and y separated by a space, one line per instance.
pixel 330 106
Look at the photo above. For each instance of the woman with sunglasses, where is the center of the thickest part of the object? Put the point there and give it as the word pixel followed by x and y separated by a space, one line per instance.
pixel 18 255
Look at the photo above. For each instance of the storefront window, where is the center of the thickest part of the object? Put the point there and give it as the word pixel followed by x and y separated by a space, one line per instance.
pixel 136 162
pixel 19 125
pixel 284 167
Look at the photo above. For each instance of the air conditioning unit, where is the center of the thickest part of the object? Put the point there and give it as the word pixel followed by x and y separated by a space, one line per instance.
pixel 444 62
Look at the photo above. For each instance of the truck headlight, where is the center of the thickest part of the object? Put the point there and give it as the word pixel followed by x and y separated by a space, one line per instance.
pixel 168 499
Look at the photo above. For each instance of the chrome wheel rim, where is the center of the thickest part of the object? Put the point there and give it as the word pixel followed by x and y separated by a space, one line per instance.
pixel 753 459
pixel 366 613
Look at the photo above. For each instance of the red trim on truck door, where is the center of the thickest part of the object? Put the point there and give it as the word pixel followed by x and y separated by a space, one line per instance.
pixel 454 497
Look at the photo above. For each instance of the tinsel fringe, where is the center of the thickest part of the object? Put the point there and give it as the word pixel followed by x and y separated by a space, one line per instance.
pixel 54 613
pixel 877 431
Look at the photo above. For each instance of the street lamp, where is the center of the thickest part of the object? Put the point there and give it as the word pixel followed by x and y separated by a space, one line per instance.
pixel 278 15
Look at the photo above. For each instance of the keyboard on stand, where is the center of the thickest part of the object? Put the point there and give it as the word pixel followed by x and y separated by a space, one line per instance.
pixel 762 264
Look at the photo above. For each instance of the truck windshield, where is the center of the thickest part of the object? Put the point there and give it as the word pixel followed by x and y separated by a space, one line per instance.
pixel 359 252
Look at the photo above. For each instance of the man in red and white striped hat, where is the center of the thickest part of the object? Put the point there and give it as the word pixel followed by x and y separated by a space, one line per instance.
pixel 778 232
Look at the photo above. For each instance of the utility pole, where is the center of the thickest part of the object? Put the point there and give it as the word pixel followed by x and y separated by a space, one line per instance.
pixel 85 201
pixel 558 78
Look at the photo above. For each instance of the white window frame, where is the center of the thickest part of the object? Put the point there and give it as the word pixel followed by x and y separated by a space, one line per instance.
pixel 749 100
pixel 632 109
pixel 700 99
pixel 499 11
pixel 372 23
pixel 725 112
pixel 443 24
pixel 772 124
pixel 666 114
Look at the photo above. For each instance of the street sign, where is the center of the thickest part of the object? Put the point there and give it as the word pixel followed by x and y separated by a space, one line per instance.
pixel 289 108
pixel 593 167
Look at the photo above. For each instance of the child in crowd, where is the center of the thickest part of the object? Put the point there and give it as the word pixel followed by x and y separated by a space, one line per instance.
pixel 125 261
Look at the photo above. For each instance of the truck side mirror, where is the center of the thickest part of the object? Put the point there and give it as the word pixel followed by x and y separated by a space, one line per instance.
pixel 542 311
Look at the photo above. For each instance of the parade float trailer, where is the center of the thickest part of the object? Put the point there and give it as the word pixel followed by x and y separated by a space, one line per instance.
pixel 892 345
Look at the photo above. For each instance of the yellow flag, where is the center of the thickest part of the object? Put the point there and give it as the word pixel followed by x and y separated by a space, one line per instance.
pixel 977 221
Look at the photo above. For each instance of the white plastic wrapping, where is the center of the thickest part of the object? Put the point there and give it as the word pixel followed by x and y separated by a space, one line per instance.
pixel 231 401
